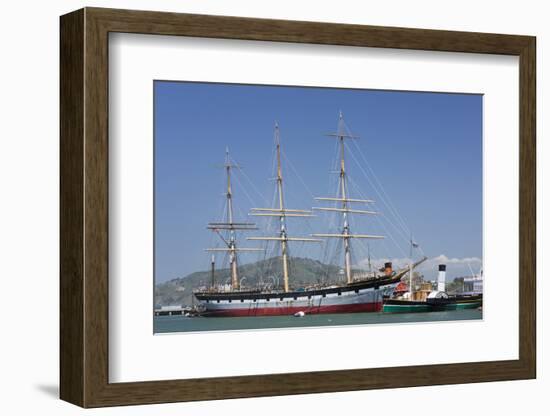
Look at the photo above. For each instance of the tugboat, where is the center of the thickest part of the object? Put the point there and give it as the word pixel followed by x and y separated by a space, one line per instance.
pixel 440 301
pixel 427 300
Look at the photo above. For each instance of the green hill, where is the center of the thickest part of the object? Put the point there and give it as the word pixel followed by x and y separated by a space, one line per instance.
pixel 302 271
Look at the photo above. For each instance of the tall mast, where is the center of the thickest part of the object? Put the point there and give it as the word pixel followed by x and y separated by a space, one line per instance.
pixel 232 241
pixel 411 267
pixel 282 213
pixel 231 226
pixel 213 271
pixel 347 254
pixel 368 254
pixel 345 201
pixel 281 208
pixel 411 288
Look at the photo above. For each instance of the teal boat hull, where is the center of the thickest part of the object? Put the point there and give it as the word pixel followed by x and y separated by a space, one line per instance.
pixel 405 306
pixel 432 305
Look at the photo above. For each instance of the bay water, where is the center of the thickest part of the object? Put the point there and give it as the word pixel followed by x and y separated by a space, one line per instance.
pixel 167 324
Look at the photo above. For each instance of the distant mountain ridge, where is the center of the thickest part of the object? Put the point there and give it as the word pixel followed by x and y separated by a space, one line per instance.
pixel 303 271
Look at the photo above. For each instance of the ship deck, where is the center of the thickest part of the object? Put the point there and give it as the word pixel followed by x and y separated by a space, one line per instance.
pixel 296 294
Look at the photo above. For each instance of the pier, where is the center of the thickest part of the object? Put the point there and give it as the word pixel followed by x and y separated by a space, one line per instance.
pixel 175 310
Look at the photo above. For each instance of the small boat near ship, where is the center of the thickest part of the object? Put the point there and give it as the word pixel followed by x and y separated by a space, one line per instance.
pixel 357 294
pixel 428 300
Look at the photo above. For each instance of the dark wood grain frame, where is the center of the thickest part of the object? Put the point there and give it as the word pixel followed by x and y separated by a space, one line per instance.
pixel 84 218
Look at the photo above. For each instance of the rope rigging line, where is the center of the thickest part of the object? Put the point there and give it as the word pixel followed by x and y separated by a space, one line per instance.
pixel 382 224
pixel 404 232
pixel 295 172
pixel 254 188
pixel 363 245
pixel 379 218
pixel 244 191
pixel 387 198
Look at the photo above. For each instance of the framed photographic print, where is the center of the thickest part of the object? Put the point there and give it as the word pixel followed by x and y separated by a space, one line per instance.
pixel 256 207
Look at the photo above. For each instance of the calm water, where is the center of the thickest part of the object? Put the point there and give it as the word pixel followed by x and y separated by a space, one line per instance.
pixel 163 324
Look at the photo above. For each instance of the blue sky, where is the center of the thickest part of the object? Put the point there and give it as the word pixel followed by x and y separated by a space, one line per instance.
pixel 425 150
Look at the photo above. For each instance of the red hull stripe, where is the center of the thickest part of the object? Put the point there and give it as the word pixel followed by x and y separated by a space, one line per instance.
pixel 358 307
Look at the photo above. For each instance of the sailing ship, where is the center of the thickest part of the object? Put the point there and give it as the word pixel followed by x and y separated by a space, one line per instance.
pixel 355 294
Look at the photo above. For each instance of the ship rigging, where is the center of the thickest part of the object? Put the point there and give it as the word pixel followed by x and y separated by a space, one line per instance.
pixel 345 203
pixel 282 213
pixel 356 294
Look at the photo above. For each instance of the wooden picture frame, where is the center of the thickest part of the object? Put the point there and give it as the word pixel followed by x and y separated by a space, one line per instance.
pixel 84 207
